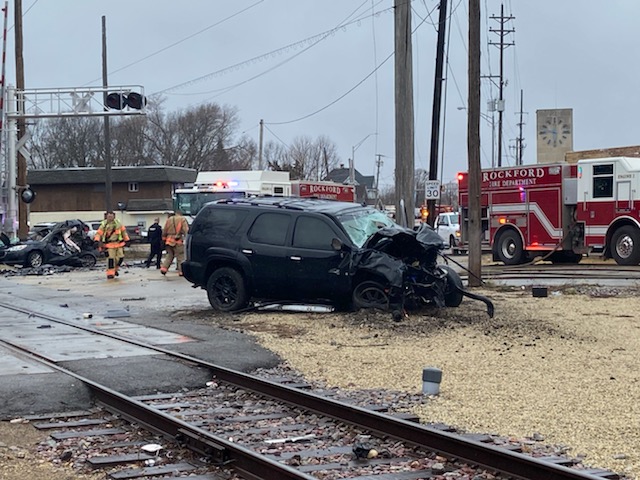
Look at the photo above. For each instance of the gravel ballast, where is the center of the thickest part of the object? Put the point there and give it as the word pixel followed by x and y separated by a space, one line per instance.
pixel 562 370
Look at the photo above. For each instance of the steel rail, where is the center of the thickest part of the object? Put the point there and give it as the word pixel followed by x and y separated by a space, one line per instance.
pixel 222 452
pixel 510 463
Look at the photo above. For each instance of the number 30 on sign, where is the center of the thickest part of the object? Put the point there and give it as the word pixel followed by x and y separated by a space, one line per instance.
pixel 432 190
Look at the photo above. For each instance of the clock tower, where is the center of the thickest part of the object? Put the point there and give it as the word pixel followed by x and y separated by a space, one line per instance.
pixel 554 134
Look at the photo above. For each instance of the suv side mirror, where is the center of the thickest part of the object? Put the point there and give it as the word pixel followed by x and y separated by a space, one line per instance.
pixel 337 244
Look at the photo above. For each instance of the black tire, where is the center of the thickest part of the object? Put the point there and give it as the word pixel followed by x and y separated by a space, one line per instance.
pixel 452 293
pixel 87 260
pixel 625 245
pixel 34 259
pixel 226 290
pixel 370 294
pixel 509 248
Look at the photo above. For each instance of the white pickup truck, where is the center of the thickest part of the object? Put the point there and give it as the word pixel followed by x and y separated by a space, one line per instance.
pixel 448 227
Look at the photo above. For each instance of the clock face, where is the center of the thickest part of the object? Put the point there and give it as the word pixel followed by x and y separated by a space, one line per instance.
pixel 554 132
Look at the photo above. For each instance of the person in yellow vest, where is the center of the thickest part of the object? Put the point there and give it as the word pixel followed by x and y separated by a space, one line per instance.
pixel 113 236
pixel 173 234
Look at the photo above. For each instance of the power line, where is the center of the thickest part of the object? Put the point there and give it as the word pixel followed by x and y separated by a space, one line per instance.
pixel 348 91
pixel 273 133
pixel 182 40
pixel 310 41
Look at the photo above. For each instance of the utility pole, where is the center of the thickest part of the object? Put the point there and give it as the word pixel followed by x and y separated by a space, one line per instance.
pixel 23 228
pixel 405 177
pixel 378 165
pixel 502 32
pixel 260 144
pixel 437 102
pixel 108 184
pixel 520 140
pixel 474 225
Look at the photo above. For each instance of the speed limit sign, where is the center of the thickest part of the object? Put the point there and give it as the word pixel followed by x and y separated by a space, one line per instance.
pixel 432 190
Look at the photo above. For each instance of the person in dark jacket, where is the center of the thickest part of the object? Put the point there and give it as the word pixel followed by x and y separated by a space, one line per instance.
pixel 155 240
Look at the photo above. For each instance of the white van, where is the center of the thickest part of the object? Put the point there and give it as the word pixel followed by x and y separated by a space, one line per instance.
pixel 448 227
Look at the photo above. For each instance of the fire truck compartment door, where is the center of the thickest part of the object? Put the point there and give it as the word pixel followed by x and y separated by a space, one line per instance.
pixel 623 195
pixel 570 191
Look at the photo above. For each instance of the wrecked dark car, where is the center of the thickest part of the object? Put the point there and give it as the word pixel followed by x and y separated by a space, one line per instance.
pixel 246 252
pixel 66 244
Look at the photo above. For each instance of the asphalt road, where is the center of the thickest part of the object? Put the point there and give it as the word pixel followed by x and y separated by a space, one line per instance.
pixel 169 306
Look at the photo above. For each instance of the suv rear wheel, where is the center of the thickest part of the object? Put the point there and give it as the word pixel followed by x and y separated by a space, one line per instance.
pixel 226 290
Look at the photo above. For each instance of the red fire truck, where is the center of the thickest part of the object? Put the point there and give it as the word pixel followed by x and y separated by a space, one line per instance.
pixel 559 211
pixel 328 190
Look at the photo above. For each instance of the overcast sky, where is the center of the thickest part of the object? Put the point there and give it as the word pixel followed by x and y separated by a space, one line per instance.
pixel 325 67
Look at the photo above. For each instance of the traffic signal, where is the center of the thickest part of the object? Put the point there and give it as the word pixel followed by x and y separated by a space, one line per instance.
pixel 118 101
pixel 424 213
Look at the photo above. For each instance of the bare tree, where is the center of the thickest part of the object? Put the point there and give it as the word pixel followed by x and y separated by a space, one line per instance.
pixel 128 142
pixel 388 195
pixel 276 156
pixel 203 137
pixel 66 142
pixel 244 154
pixel 305 159
pixel 449 195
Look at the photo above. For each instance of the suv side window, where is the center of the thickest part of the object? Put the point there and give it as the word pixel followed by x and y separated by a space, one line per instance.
pixel 270 228
pixel 313 233
pixel 218 222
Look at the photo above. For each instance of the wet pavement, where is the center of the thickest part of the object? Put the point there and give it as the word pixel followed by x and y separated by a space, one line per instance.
pixel 140 304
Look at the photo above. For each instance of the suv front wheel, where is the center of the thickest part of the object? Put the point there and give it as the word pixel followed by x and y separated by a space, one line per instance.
pixel 370 294
pixel 226 290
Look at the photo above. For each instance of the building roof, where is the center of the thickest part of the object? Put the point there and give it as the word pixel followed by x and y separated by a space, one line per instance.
pixel 89 175
pixel 150 204
pixel 341 175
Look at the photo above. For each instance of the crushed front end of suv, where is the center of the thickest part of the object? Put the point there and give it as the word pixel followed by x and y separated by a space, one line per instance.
pixel 246 252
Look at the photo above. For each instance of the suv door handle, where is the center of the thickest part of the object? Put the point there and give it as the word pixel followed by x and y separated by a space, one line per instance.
pixel 296 258
pixel 247 251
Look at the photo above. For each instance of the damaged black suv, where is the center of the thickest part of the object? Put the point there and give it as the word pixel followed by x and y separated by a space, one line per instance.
pixel 311 250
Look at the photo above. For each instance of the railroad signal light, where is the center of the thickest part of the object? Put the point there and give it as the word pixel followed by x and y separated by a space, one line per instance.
pixel 27 195
pixel 118 101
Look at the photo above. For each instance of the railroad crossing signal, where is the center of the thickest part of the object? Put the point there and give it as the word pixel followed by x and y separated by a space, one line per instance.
pixel 118 101
pixel 76 102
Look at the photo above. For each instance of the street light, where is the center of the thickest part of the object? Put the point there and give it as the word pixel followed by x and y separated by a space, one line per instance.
pixel 491 121
pixel 352 176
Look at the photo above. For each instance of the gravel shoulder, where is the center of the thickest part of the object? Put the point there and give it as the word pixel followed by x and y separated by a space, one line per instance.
pixel 562 370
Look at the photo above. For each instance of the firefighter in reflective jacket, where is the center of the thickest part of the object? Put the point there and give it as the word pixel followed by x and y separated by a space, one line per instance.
pixel 112 235
pixel 173 234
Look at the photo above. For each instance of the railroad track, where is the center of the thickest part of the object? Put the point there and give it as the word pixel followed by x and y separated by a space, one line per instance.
pixel 243 426
pixel 583 272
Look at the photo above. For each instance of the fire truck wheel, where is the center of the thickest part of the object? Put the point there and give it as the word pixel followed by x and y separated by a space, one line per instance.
pixel 453 291
pixel 226 290
pixel 625 248
pixel 510 249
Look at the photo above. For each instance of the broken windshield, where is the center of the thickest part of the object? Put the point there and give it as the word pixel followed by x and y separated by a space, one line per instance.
pixel 361 223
